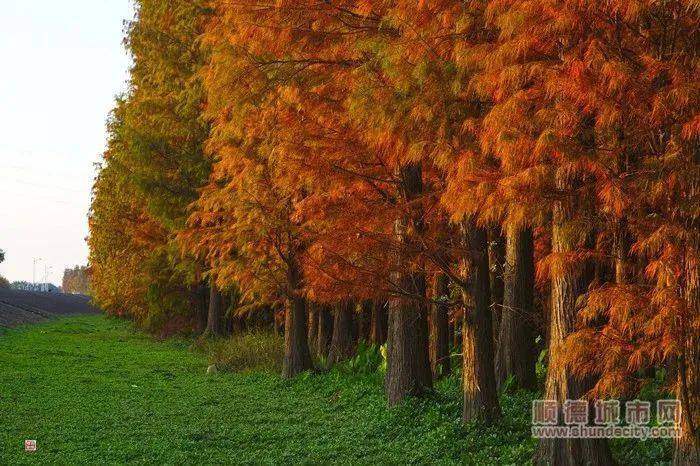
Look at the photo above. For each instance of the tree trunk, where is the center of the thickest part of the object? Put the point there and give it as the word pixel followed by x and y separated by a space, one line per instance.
pixel 297 357
pixel 240 325
pixel 687 447
pixel 355 327
pixel 364 320
pixel 313 327
pixel 439 327
pixel 215 317
pixel 480 397
pixel 567 285
pixel 408 364
pixel 378 323
pixel 325 331
pixel 408 368
pixel 201 295
pixel 517 353
pixel 341 344
pixel 227 318
pixel 497 259
pixel 280 320
pixel 456 333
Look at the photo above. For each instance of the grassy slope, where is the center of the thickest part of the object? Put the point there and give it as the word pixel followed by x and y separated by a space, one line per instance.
pixel 89 390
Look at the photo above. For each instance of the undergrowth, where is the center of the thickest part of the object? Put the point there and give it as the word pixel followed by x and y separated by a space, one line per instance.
pixel 255 351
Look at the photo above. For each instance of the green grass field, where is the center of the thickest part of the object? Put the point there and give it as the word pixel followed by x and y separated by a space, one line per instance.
pixel 92 390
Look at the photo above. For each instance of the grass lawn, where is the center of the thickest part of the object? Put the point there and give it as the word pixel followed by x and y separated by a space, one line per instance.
pixel 91 390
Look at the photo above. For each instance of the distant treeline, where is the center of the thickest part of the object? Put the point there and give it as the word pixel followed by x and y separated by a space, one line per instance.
pixel 38 287
pixel 76 280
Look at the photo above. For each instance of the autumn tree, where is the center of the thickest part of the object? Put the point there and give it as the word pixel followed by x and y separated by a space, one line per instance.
pixel 642 87
pixel 481 160
pixel 246 223
pixel 378 323
pixel 75 280
pixel 341 347
pixel 561 74
pixel 322 155
pixel 562 138
pixel 154 164
pixel 163 123
pixel 437 113
pixel 406 128
pixel 439 326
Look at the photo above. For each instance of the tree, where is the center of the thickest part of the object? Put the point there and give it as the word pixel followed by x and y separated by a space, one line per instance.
pixel 480 398
pixel 439 327
pixel 75 280
pixel 152 169
pixel 648 122
pixel 589 109
pixel 215 317
pixel 325 331
pixel 244 224
pixel 378 323
pixel 316 144
pixel 445 44
pixel 408 369
pixel 341 343
pixel 497 261
pixel 122 236
pixel 557 137
pixel 516 354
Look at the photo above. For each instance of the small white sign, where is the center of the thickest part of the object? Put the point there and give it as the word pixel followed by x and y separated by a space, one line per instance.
pixel 30 445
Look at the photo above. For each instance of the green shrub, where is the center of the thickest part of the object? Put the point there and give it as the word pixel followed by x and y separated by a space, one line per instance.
pixel 260 351
pixel 541 367
pixel 367 360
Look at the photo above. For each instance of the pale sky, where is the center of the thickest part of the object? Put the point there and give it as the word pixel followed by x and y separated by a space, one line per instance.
pixel 62 64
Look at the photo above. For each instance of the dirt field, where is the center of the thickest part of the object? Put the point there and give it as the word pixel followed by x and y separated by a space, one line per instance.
pixel 20 307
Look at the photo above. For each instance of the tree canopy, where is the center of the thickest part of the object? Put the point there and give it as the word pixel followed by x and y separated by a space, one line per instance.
pixel 508 172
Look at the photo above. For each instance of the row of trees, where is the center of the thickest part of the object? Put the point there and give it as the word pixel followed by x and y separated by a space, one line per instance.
pixel 511 169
